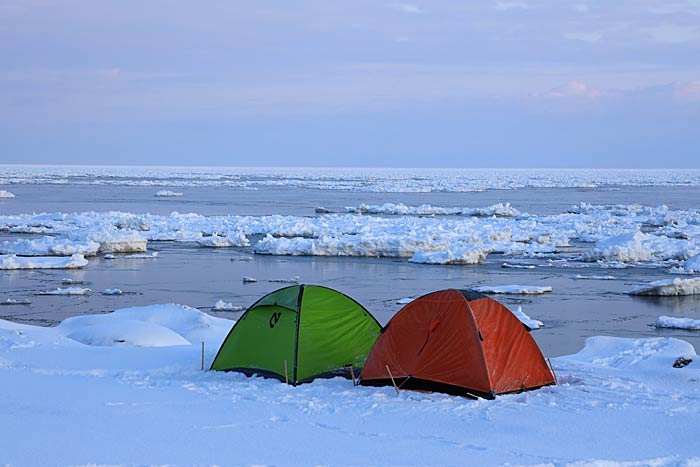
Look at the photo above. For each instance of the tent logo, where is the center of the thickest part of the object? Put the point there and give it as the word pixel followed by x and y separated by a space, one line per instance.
pixel 274 318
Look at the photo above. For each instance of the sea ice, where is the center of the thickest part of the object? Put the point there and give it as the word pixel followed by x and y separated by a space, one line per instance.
pixel 456 255
pixel 167 194
pixel 669 287
pixel 514 289
pixel 677 323
pixel 532 324
pixel 6 194
pixel 43 262
pixel 234 239
pixel 221 305
pixel 66 291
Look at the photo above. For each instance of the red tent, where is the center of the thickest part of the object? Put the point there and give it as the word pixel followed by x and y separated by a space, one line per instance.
pixel 459 342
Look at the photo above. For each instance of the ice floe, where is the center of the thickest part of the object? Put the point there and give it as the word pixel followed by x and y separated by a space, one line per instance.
pixel 6 194
pixel 66 291
pixel 458 255
pixel 400 209
pixel 677 323
pixel 595 277
pixel 532 324
pixel 42 262
pixel 14 301
pixel 669 287
pixel 513 289
pixel 112 292
pixel 167 194
pixel 248 279
pixel 221 305
pixel 49 246
pixel 235 239
pixel 133 256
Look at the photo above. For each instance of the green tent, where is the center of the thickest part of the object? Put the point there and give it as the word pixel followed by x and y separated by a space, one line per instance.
pixel 299 333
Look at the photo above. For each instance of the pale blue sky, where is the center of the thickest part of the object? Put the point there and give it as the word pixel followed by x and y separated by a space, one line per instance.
pixel 361 83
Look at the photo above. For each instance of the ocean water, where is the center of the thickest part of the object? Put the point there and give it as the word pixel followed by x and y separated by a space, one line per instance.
pixel 188 274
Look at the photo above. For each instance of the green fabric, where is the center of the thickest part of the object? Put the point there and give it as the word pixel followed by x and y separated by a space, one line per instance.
pixel 287 297
pixel 257 342
pixel 334 332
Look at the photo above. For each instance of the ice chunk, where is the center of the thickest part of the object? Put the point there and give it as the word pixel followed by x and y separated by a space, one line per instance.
pixel 669 287
pixel 167 194
pixel 50 246
pixel 404 301
pixel 457 255
pixel 112 292
pixel 526 320
pixel 514 289
pixel 14 301
pixel 134 256
pixel 42 262
pixel 237 239
pixel 677 323
pixel 692 264
pixel 221 305
pixel 66 291
pixel 6 194
pixel 247 279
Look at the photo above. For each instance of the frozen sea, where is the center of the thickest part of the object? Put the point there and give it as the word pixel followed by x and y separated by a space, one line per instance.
pixel 585 301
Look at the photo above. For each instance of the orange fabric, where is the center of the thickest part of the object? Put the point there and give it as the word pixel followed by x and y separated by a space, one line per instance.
pixel 514 360
pixel 436 338
pixel 432 338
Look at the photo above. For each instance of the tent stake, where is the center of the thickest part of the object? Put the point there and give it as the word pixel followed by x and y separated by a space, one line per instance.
pixel 392 379
pixel 554 373
pixel 286 374
pixel 352 375
pixel 202 355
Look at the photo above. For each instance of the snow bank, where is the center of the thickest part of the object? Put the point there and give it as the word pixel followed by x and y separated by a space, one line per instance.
pixel 677 323
pixel 669 287
pixel 221 305
pixel 618 352
pixel 532 324
pixel 66 291
pixel 6 194
pixel 50 246
pixel 46 262
pixel 167 194
pixel 237 239
pixel 514 289
pixel 457 255
pixel 148 326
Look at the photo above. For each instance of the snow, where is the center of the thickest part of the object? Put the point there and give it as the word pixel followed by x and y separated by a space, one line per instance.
pixel 514 289
pixel 6 194
pixel 43 262
pixel 237 239
pixel 66 291
pixel 526 320
pixel 167 194
pixel 112 292
pixel 49 246
pixel 669 287
pixel 221 305
pixel 457 255
pixel 135 395
pixel 677 323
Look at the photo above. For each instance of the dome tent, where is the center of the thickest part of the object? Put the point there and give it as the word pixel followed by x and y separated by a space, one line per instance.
pixel 299 333
pixel 459 342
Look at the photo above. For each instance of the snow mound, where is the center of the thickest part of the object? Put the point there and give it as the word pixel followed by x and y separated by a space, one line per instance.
pixel 514 289
pixel 619 352
pixel 66 291
pixel 221 305
pixel 148 326
pixel 167 194
pixel 458 255
pixel 669 287
pixel 532 324
pixel 6 194
pixel 237 239
pixel 677 323
pixel 127 333
pixel 42 262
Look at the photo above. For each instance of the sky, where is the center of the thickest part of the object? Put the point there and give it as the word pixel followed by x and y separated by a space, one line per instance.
pixel 610 83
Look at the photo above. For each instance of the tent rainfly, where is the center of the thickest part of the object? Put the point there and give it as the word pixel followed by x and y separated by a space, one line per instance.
pixel 459 342
pixel 299 333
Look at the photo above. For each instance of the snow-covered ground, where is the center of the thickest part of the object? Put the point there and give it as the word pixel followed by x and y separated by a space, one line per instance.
pixel 126 389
